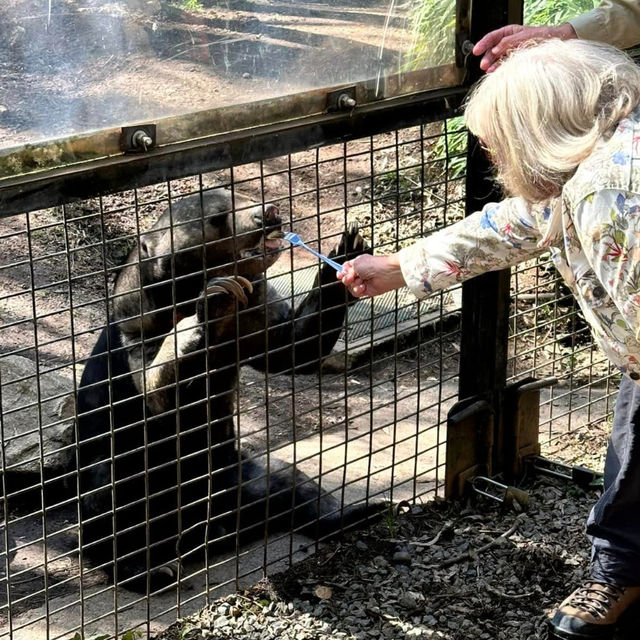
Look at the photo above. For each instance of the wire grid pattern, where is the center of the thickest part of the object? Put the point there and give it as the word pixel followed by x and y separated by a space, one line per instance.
pixel 549 338
pixel 369 427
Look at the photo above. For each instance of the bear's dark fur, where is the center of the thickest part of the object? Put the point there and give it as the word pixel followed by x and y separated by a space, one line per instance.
pixel 158 456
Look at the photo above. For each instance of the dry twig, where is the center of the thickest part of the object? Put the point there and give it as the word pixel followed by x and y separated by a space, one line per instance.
pixel 474 552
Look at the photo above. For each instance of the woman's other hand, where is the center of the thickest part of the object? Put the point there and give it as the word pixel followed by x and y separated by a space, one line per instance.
pixel 498 43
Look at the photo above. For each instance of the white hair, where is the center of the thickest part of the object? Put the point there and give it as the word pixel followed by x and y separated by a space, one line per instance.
pixel 546 106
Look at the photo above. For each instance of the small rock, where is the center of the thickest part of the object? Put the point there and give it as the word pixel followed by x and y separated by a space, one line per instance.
pixel 220 622
pixel 380 562
pixel 323 592
pixel 401 557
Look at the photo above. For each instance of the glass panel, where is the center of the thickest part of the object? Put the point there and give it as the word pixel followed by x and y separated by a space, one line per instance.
pixel 73 66
pixel 543 12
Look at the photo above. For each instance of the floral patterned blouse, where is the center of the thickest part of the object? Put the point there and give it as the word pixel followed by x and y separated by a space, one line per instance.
pixel 592 231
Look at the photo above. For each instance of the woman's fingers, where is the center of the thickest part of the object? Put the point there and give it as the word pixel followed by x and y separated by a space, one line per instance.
pixel 493 46
pixel 347 274
pixel 496 44
pixel 369 275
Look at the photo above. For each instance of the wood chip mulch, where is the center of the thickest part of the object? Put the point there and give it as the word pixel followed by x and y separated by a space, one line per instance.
pixel 452 570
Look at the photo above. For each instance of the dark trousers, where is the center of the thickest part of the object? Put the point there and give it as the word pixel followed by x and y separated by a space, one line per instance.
pixel 614 522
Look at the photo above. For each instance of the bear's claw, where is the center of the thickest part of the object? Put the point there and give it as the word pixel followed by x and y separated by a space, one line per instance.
pixel 351 243
pixel 234 285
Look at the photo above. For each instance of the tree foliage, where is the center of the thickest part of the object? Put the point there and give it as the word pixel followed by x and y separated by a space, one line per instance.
pixel 433 25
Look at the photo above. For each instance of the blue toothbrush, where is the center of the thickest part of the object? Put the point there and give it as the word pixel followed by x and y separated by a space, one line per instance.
pixel 294 239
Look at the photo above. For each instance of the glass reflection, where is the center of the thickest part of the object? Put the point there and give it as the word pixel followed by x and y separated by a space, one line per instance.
pixel 72 66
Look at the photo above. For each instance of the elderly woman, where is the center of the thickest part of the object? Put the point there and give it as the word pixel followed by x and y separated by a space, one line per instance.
pixel 561 123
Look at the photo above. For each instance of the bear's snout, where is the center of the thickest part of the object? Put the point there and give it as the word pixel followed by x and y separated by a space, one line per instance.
pixel 272 214
pixel 268 216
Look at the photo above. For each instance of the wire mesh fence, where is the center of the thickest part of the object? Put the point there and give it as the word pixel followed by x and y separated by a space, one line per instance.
pixel 186 400
pixel 549 339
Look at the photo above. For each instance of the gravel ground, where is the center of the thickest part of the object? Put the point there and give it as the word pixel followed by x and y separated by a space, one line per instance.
pixel 450 570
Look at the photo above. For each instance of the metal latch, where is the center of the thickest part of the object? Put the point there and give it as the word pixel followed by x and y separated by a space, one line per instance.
pixel 506 495
pixel 522 424
pixel 582 476
pixel 469 445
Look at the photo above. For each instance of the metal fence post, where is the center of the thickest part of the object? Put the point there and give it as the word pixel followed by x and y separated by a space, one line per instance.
pixel 485 299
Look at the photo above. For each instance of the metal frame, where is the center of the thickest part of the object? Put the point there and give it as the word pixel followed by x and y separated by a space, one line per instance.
pixel 56 186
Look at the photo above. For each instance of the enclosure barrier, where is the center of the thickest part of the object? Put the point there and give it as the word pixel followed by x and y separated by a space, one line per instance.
pixel 184 393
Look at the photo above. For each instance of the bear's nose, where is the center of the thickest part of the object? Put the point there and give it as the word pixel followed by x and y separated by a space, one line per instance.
pixel 267 216
pixel 271 214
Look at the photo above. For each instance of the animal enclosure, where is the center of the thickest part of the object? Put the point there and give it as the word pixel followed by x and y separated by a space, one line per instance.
pixel 188 402
pixel 369 427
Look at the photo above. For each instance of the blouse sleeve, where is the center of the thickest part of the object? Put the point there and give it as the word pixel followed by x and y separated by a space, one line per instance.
pixel 615 22
pixel 607 224
pixel 497 237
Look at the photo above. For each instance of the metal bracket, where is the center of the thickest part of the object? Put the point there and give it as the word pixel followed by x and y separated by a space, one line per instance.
pixel 342 100
pixel 469 444
pixel 522 424
pixel 463 21
pixel 582 476
pixel 138 139
pixel 508 496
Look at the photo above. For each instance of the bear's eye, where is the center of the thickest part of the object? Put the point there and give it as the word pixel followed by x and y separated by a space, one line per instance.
pixel 218 219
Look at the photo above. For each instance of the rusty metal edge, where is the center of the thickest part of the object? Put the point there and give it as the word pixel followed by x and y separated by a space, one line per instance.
pixel 42 189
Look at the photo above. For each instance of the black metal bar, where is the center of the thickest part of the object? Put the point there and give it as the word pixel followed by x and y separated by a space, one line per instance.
pixel 485 299
pixel 58 186
pixel 582 476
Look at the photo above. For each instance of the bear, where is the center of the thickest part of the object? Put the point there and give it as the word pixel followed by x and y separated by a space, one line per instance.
pixel 161 475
